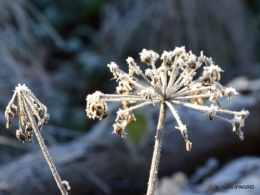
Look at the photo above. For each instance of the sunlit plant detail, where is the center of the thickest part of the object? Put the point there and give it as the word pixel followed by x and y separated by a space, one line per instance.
pixel 32 115
pixel 172 83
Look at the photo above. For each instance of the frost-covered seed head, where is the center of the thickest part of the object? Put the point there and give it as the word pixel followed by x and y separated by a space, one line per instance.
pixel 148 56
pixel 172 83
pixel 118 129
pixel 167 59
pixel 96 107
pixel 29 110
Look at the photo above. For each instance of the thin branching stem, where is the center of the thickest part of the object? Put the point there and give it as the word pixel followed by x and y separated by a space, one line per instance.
pixel 191 97
pixel 187 90
pixel 204 108
pixel 45 151
pixel 139 106
pixel 157 151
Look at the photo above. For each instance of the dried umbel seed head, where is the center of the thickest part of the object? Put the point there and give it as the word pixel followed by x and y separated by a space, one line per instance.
pixel 96 108
pixel 148 56
pixel 29 110
pixel 33 115
pixel 172 83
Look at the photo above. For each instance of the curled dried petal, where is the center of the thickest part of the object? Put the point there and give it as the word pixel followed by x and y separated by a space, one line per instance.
pixel 20 136
pixel 119 129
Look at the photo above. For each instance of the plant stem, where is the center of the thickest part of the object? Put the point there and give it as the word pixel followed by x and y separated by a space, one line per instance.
pixel 46 154
pixel 50 162
pixel 157 151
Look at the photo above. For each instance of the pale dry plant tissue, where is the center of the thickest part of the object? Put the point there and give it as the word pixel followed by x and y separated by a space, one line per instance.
pixel 172 83
pixel 32 115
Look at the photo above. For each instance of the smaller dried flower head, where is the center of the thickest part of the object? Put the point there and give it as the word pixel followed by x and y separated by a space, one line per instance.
pixel 96 107
pixel 31 113
pixel 172 83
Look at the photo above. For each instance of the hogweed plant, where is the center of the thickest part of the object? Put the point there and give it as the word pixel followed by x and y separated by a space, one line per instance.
pixel 170 84
pixel 32 115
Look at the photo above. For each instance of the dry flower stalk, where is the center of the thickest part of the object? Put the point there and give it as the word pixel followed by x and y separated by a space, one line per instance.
pixel 32 115
pixel 171 84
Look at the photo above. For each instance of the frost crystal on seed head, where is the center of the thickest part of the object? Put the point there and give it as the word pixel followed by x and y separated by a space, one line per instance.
pixel 171 83
pixel 148 56
pixel 113 68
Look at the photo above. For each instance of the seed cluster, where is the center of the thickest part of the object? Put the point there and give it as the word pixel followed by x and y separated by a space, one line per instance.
pixel 172 83
pixel 31 113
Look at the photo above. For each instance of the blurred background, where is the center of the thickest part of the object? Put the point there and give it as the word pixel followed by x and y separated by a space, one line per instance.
pixel 60 49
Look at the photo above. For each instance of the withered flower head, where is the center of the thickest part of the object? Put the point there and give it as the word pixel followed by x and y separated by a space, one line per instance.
pixel 31 113
pixel 171 83
pixel 96 107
